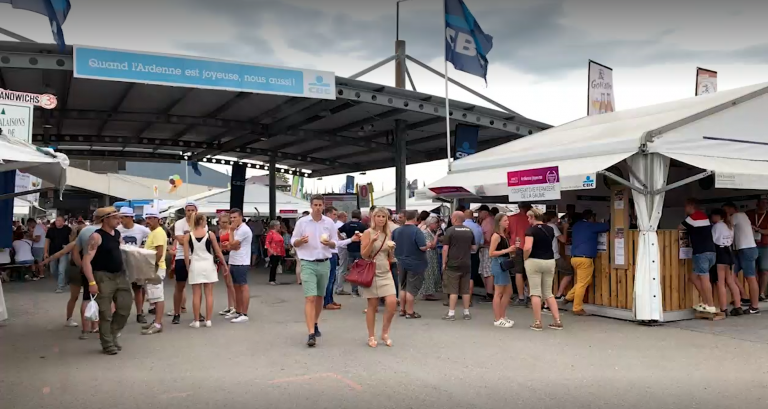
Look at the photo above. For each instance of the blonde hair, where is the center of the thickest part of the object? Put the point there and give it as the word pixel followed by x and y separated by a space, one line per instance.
pixel 200 220
pixel 385 212
pixel 536 214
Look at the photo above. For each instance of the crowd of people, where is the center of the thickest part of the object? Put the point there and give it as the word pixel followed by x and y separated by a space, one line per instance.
pixel 416 257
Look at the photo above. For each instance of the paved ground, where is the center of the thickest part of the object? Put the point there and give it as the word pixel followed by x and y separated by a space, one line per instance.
pixel 594 363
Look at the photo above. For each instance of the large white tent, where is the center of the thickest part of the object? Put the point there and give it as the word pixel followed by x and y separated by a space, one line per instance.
pixel 255 203
pixel 388 200
pixel 722 133
pixel 43 163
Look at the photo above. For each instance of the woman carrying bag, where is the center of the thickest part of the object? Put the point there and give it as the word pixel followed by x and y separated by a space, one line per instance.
pixel 199 247
pixel 499 251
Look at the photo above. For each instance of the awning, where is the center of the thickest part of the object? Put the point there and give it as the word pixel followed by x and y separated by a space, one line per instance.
pixel 574 174
pixel 43 163
pixel 730 173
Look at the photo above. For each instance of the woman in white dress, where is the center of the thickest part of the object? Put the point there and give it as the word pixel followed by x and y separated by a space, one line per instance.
pixel 199 247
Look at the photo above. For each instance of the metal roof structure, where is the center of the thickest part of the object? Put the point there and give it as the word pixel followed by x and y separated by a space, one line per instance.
pixel 133 121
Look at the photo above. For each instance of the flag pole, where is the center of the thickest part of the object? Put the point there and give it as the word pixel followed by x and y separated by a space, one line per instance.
pixel 447 102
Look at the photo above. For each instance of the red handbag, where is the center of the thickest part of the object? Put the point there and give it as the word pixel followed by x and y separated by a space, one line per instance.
pixel 362 271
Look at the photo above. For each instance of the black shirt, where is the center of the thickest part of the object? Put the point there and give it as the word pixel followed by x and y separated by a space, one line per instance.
pixel 108 257
pixel 503 245
pixel 349 229
pixel 59 238
pixel 700 232
pixel 542 241
pixel 459 240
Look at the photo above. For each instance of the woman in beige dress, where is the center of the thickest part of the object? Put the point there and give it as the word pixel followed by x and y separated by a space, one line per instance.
pixel 378 246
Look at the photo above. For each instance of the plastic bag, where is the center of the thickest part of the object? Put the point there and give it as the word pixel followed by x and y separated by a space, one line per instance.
pixel 92 310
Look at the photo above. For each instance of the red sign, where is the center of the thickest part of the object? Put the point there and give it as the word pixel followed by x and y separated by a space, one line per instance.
pixel 529 177
pixel 220 211
pixel 450 190
pixel 289 212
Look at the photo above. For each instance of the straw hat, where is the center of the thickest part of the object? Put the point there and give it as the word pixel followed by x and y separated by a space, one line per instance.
pixel 103 213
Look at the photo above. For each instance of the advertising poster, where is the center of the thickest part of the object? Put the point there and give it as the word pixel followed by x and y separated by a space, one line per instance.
pixel 466 141
pixel 618 199
pixel 534 184
pixel 24 182
pixel 342 203
pixel 618 246
pixel 706 81
pixel 602 242
pixel 686 250
pixel 364 196
pixel 600 91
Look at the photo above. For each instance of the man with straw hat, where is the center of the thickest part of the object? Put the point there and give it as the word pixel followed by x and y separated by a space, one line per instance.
pixel 103 268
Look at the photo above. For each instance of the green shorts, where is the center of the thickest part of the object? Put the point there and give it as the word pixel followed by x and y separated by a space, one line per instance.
pixel 314 277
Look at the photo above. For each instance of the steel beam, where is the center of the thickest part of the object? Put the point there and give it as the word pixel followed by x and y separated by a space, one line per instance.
pixel 161 118
pixel 35 60
pixel 116 107
pixel 431 108
pixel 215 113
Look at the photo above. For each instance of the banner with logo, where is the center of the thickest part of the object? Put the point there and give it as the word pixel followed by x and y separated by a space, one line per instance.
pixel 600 91
pixel 349 187
pixel 706 81
pixel 25 182
pixel 465 143
pixel 534 184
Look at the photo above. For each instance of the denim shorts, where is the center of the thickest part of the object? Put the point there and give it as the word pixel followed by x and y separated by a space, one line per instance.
pixel 500 277
pixel 703 262
pixel 239 274
pixel 745 261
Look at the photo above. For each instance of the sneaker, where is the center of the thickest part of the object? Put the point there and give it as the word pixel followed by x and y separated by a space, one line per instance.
pixel 762 298
pixel 710 309
pixel 317 331
pixel 70 323
pixel 152 329
pixel 202 318
pixel 195 324
pixel 467 316
pixel 536 326
pixel 519 302
pixel 148 326
pixel 83 335
pixel 736 311
pixel 355 295
pixel 240 319
pixel 311 340
pixel 59 291
pixel 208 324
pixel 700 307
pixel 502 323
pixel 151 311
pixel 228 311
pixel 272 283
pixel 745 302
pixel 231 315
pixel 170 313
pixel 342 292
pixel 752 311
pixel 176 319
pixel 140 319
pixel 556 325
pixel 487 299
pixel 560 298
pixel 449 317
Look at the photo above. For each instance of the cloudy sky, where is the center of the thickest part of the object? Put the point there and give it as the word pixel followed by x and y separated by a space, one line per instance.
pixel 537 66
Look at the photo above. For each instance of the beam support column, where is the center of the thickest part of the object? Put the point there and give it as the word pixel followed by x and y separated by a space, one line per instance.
pixel 401 184
pixel 272 188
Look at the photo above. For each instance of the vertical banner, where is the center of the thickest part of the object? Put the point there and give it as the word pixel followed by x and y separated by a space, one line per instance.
pixel 465 143
pixel 237 182
pixel 349 187
pixel 600 89
pixel 706 81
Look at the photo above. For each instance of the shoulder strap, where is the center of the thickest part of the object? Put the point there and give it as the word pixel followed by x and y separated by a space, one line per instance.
pixel 379 251
pixel 545 231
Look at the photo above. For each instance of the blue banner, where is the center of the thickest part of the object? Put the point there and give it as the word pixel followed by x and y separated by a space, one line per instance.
pixel 466 141
pixel 55 10
pixel 161 69
pixel 350 185
pixel 466 45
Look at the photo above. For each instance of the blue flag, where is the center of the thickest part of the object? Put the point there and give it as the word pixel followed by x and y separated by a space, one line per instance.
pixel 55 10
pixel 466 45
pixel 195 168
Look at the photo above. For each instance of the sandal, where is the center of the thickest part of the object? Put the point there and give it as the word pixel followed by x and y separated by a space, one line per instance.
pixel 537 326
pixel 387 341
pixel 402 313
pixel 372 342
pixel 413 315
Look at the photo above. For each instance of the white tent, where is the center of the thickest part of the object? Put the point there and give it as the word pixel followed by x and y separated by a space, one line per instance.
pixel 388 200
pixel 43 163
pixel 722 133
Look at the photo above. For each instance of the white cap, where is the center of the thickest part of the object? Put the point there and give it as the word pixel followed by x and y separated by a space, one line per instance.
pixel 151 213
pixel 191 203
pixel 126 212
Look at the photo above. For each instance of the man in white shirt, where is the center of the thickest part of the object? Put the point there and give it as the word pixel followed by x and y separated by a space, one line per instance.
pixel 314 237
pixel 180 228
pixel 746 254
pixel 134 234
pixel 37 231
pixel 240 241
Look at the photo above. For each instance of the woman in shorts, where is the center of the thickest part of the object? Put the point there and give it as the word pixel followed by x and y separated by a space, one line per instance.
pixel 540 268
pixel 499 251
pixel 224 236
pixel 722 235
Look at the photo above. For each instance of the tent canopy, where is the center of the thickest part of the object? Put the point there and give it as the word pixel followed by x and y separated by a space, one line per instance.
pixel 43 163
pixel 726 125
pixel 419 204
pixel 255 203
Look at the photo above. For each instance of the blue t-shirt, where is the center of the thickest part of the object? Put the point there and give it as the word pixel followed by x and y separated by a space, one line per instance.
pixel 84 235
pixel 408 242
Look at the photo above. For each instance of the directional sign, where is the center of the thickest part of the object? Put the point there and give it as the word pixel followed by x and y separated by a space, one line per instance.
pixel 16 120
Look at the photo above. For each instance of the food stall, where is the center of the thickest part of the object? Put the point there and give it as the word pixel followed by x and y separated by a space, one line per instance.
pixel 710 147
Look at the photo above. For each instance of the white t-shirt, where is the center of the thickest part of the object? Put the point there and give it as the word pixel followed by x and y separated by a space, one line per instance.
pixel 136 235
pixel 555 241
pixel 314 249
pixel 241 257
pixel 23 250
pixel 722 235
pixel 39 231
pixel 742 232
pixel 180 228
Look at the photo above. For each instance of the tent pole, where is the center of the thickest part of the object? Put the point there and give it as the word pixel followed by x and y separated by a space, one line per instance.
pixel 372 67
pixel 682 182
pixel 28 192
pixel 623 181
pixel 17 37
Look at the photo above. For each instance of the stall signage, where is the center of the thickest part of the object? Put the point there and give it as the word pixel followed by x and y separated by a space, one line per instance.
pixel 285 211
pixel 46 101
pixel 725 180
pixel 534 184
pixel 194 72
pixel 451 192
pixel 16 120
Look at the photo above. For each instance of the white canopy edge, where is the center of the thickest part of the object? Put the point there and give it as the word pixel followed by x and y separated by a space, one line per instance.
pixel 43 163
pixel 730 173
pixel 493 182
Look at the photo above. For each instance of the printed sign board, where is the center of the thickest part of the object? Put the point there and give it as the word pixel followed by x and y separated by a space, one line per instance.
pixel 16 120
pixel 534 184
pixel 195 72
